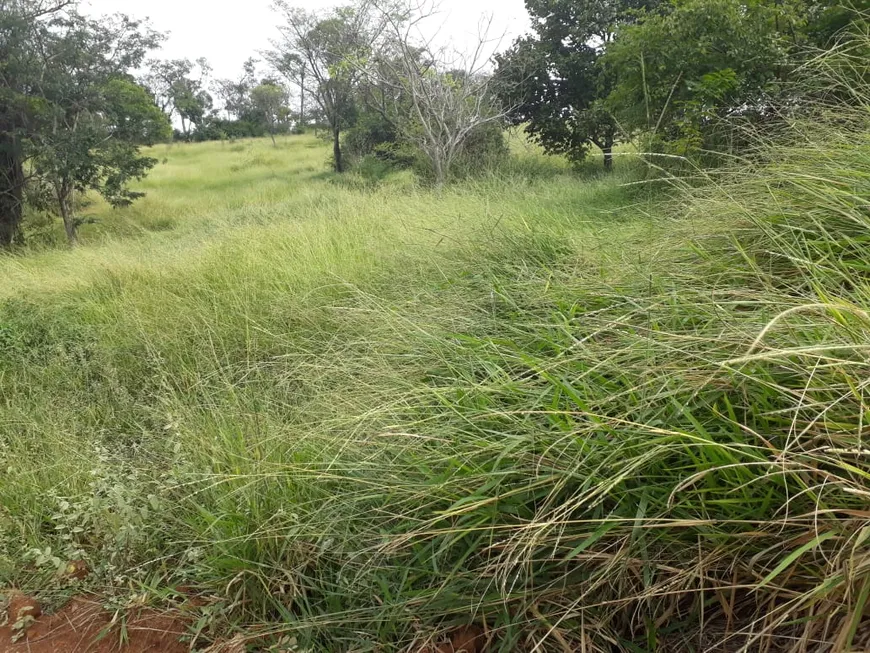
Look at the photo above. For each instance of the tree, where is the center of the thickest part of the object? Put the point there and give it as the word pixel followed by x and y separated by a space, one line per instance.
pixel 439 97
pixel 80 115
pixel 555 82
pixel 178 88
pixel 294 69
pixel 557 95
pixel 447 108
pixel 334 47
pixel 161 80
pixel 269 101
pixel 23 23
pixel 192 104
pixel 236 94
pixel 97 148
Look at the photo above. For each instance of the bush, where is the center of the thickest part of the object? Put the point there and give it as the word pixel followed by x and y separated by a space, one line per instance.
pixel 218 129
pixel 485 148
pixel 370 132
pixel 374 138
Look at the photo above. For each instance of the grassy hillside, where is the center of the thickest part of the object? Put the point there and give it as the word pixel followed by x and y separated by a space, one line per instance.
pixel 360 414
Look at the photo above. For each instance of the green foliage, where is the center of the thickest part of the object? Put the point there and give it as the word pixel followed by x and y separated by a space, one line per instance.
pixel 678 71
pixel 555 81
pixel 132 117
pixel 485 150
pixel 269 102
pixel 689 75
pixel 176 91
pixel 192 107
pixel 82 118
pixel 381 413
pixel 257 107
pixel 371 134
pixel 355 413
pixel 236 94
pixel 829 23
pixel 218 129
pixel 335 45
pixel 375 145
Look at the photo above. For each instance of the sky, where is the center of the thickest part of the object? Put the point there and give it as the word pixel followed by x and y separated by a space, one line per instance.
pixel 199 28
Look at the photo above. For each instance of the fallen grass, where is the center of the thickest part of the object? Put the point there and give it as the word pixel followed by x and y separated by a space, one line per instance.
pixel 544 405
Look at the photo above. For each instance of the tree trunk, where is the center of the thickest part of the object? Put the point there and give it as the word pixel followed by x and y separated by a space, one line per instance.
pixel 272 136
pixel 440 176
pixel 64 198
pixel 608 156
pixel 11 187
pixel 336 148
pixel 606 147
pixel 302 103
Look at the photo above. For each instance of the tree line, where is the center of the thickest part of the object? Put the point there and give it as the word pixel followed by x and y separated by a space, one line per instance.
pixel 79 97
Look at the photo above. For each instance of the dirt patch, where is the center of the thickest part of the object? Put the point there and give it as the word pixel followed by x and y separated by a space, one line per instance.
pixel 467 639
pixel 83 626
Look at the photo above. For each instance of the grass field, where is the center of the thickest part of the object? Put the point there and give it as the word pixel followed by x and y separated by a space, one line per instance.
pixel 579 411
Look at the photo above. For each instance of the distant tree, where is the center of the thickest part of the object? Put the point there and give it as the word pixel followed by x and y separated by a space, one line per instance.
pixel 269 101
pixel 178 87
pixel 193 106
pixel 294 69
pixel 236 94
pixel 555 82
pixel 334 47
pixel 161 80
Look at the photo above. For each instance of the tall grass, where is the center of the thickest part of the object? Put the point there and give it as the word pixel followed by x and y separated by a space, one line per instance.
pixel 368 416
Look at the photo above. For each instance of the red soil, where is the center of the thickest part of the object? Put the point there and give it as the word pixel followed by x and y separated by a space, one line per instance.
pixel 467 639
pixel 83 626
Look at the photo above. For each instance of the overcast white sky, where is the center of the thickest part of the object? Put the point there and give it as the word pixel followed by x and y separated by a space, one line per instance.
pixel 201 28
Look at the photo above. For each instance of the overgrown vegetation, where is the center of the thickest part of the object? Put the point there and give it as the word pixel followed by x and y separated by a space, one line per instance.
pixel 351 412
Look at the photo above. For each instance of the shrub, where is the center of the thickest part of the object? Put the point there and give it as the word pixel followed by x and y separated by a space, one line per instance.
pixel 370 132
pixel 485 148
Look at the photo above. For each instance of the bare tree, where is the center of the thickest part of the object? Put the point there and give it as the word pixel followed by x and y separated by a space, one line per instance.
pixel 449 90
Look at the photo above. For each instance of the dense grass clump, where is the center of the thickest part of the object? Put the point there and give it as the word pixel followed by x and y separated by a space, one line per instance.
pixel 360 416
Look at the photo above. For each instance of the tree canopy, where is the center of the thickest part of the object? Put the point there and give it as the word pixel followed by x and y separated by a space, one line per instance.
pixel 675 75
pixel 70 108
pixel 555 81
pixel 596 71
